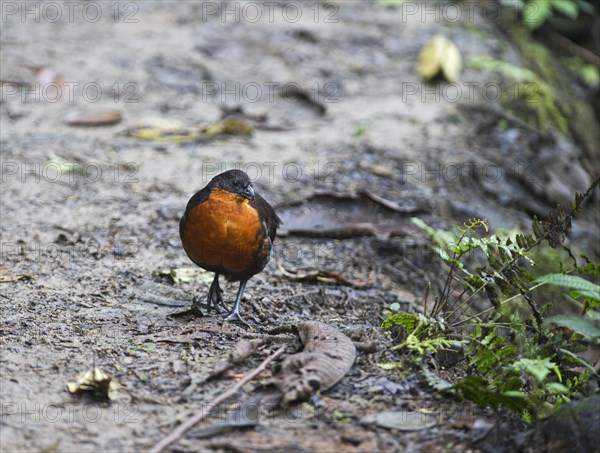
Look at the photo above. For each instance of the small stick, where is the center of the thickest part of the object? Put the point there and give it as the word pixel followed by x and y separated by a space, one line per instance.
pixel 177 433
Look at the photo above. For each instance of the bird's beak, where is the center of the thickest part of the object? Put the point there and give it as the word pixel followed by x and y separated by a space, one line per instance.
pixel 250 193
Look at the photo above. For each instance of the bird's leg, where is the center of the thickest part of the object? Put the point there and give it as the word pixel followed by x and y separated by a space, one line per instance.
pixel 234 314
pixel 215 295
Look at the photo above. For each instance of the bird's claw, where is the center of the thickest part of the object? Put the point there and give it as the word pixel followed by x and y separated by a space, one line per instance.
pixel 235 317
pixel 215 297
pixel 213 304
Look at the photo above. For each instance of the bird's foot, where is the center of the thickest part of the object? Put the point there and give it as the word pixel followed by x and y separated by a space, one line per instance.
pixel 214 301
pixel 234 316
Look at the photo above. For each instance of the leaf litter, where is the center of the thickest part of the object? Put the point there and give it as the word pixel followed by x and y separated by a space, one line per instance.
pixel 342 216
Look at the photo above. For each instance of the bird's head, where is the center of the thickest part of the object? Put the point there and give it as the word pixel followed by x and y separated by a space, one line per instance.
pixel 234 181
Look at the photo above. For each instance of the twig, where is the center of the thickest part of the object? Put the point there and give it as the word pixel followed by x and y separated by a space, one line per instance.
pixel 320 276
pixel 177 433
pixel 572 47
pixel 487 310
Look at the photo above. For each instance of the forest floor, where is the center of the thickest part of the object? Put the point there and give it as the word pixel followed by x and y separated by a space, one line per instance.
pixel 84 250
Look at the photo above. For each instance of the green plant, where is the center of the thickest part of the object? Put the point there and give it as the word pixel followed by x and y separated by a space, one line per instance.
pixel 515 359
pixel 525 93
pixel 535 12
pixel 423 334
pixel 391 4
pixel 360 131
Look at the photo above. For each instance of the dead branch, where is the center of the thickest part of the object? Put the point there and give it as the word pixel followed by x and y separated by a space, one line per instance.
pixel 177 433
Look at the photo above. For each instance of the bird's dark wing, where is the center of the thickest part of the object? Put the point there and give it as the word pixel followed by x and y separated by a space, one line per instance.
pixel 267 214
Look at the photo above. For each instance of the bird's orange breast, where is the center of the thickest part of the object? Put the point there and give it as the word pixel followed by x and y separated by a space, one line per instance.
pixel 224 232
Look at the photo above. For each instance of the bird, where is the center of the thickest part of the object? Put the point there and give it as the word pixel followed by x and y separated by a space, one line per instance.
pixel 229 229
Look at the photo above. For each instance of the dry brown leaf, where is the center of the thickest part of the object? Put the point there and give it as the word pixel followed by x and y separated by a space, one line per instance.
pixel 340 215
pixel 321 276
pixel 105 118
pixel 241 351
pixel 327 356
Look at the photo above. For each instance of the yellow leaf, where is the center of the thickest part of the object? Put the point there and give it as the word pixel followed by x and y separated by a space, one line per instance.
pixel 163 130
pixel 440 56
pixel 188 274
pixel 6 278
pixel 94 381
pixel 228 126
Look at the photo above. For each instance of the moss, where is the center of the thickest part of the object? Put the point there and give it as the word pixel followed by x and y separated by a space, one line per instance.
pixel 525 94
pixel 540 92
pixel 572 114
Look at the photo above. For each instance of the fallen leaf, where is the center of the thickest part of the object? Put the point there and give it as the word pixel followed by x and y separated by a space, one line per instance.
pixel 8 278
pixel 105 118
pixel 228 126
pixel 320 276
pixel 94 381
pixel 65 166
pixel 163 130
pixel 327 356
pixel 400 420
pixel 344 216
pixel 440 56
pixel 376 169
pixel 381 170
pixel 188 274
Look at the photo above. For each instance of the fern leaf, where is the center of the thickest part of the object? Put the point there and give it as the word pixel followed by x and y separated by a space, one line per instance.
pixel 578 324
pixel 571 282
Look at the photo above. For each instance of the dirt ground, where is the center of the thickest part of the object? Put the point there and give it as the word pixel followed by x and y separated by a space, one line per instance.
pixel 90 246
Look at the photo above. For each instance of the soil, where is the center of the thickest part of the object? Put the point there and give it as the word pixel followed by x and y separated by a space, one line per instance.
pixel 84 250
